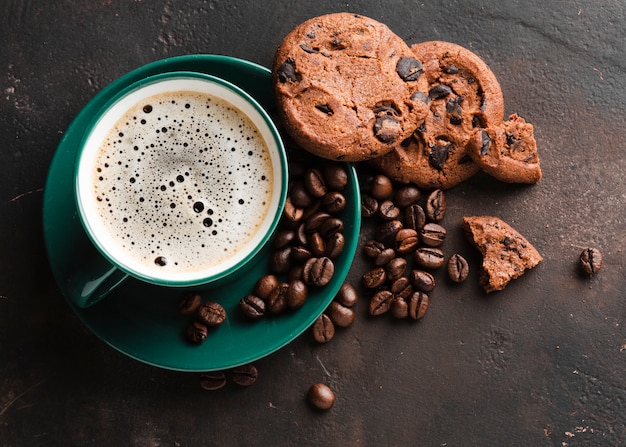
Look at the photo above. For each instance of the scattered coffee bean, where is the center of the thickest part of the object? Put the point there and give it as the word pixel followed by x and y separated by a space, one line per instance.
pixel 277 301
pixel 197 332
pixel 318 271
pixel 406 241
pixel 336 176
pixel 401 288
pixel 264 286
pixel 296 294
pixel 415 217
pixel 334 245
pixel 369 206
pixel 422 280
pixel 386 232
pixel 315 183
pixel 280 261
pixel 211 314
pixel 395 268
pixel 189 303
pixel 323 329
pixel 300 196
pixel 315 221
pixel 388 210
pixel 334 202
pixel 284 238
pixel 436 205
pixel 291 213
pixel 380 302
pixel 381 187
pixel 212 381
pixel 252 306
pixel 300 254
pixel 418 305
pixel 591 260
pixel 433 235
pixel 244 375
pixel 399 307
pixel 340 315
pixel 374 278
pixel 321 396
pixel 429 257
pixel 372 249
pixel 406 196
pixel 458 268
pixel 331 226
pixel 347 295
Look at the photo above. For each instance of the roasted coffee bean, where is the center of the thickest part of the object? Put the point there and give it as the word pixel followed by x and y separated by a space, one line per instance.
pixel 395 268
pixel 295 272
pixel 317 244
pixel 406 196
pixel 340 315
pixel 334 202
pixel 300 254
pixel 197 332
pixel 399 307
pixel 388 210
pixel 323 329
pixel 369 206
pixel 296 294
pixel 401 287
pixel 189 303
pixel 280 261
pixel 213 380
pixel 315 183
pixel 330 226
pixel 385 256
pixel 372 248
pixel 591 260
pixel 458 268
pixel 347 295
pixel 318 271
pixel 211 314
pixel 436 205
pixel 409 69
pixel 422 280
pixel 386 232
pixel 334 245
pixel 277 301
pixel 414 217
pixel 252 306
pixel 284 238
pixel 264 286
pixel 321 397
pixel 315 221
pixel 302 235
pixel 433 235
pixel 429 257
pixel 374 278
pixel 336 176
pixel 310 210
pixel 299 195
pixel 418 305
pixel 291 213
pixel 381 187
pixel 244 375
pixel 406 241
pixel 380 302
pixel 387 128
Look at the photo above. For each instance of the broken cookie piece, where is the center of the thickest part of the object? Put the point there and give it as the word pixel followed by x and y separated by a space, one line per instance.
pixel 506 253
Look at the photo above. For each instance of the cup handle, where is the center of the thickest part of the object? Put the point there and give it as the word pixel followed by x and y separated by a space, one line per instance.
pixel 93 281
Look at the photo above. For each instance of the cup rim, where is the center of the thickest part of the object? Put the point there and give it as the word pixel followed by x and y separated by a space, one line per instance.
pixel 214 274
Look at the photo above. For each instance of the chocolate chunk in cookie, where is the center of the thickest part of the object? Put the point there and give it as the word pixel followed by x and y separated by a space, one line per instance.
pixel 507 151
pixel 506 253
pixel 463 95
pixel 347 87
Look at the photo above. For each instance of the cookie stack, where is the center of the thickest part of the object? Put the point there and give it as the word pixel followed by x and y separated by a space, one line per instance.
pixel 432 114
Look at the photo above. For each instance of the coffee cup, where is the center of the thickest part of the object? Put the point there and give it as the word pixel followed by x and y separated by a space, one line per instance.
pixel 180 181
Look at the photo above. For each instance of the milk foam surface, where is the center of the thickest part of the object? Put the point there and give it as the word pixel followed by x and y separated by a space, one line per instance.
pixel 183 181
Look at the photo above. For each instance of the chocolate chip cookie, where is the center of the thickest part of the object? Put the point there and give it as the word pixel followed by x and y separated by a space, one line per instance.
pixel 507 151
pixel 347 87
pixel 463 95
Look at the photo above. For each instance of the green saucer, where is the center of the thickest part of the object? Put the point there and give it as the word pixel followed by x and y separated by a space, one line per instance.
pixel 141 320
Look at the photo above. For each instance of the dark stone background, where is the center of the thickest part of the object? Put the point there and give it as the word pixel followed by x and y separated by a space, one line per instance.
pixel 539 364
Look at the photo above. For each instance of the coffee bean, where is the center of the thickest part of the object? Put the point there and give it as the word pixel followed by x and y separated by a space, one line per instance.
pixel 369 206
pixel 277 301
pixel 301 235
pixel 374 278
pixel 399 307
pixel 381 187
pixel 300 254
pixel 406 196
pixel 418 305
pixel 336 176
pixel 385 256
pixel 347 295
pixel 299 195
pixel 386 232
pixel 395 268
pixel 296 294
pixel 406 241
pixel 433 235
pixel 312 209
pixel 591 260
pixel 315 183
pixel 315 221
pixel 295 272
pixel 211 314
pixel 189 303
pixel 429 257
pixel 415 217
pixel 264 286
pixel 212 381
pixel 280 261
pixel 388 210
pixel 422 280
pixel 372 248
pixel 317 245
pixel 321 396
pixel 323 329
pixel 330 226
pixel 252 306
pixel 284 238
pixel 436 205
pixel 196 332
pixel 401 287
pixel 318 271
pixel 340 315
pixel 291 213
pixel 334 245
pixel 244 375
pixel 409 69
pixel 380 302
pixel 334 202
pixel 458 268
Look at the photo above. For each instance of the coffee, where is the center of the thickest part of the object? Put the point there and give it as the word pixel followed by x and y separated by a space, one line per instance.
pixel 182 183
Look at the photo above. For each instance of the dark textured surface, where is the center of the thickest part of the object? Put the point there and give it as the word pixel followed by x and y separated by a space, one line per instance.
pixel 541 363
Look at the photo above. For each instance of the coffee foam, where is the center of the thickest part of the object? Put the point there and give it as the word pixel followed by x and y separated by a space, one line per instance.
pixel 182 183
